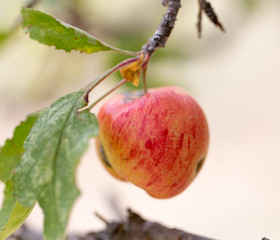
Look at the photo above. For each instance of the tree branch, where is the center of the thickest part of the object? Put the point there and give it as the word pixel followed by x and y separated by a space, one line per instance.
pixel 165 28
pixel 167 23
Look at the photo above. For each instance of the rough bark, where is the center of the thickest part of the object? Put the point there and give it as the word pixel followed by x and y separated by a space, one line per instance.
pixel 165 27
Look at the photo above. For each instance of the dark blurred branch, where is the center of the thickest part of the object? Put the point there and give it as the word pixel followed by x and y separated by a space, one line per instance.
pixel 24 233
pixel 32 3
pixel 137 228
pixel 206 7
pixel 133 228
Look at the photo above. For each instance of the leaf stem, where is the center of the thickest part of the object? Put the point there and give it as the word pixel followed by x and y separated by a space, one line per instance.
pixel 126 52
pixel 122 82
pixel 97 81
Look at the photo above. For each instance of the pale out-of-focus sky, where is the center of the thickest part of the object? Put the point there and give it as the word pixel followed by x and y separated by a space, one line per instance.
pixel 235 77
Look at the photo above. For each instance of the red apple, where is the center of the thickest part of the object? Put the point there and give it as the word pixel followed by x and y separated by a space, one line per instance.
pixel 157 141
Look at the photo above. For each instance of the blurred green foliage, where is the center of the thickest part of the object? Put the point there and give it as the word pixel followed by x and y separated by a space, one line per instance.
pixel 130 35
pixel 2 37
pixel 249 4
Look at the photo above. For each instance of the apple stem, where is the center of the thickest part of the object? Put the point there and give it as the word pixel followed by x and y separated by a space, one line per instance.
pixel 122 82
pixel 145 79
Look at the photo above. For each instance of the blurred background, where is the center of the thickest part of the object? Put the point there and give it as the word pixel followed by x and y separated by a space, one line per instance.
pixel 234 76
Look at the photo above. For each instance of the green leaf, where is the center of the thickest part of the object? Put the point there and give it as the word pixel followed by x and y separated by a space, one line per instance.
pixel 12 151
pixel 12 214
pixel 49 31
pixel 53 149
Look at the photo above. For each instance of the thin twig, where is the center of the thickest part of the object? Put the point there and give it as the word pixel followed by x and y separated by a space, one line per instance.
pixel 205 6
pixel 199 25
pixel 32 3
pixel 101 218
pixel 119 84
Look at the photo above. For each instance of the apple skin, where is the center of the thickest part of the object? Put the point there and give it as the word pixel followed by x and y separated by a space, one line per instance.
pixel 156 141
pixel 104 160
